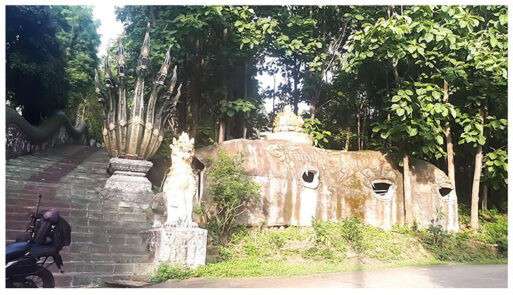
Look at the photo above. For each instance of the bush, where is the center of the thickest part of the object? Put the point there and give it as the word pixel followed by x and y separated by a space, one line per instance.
pixel 334 239
pixel 348 245
pixel 464 246
pixel 494 229
pixel 264 243
pixel 230 190
pixel 166 272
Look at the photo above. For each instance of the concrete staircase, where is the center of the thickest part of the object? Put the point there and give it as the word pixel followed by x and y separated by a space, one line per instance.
pixel 106 239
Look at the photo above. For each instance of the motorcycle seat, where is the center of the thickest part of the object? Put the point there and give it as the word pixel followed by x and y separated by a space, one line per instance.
pixel 15 250
pixel 38 251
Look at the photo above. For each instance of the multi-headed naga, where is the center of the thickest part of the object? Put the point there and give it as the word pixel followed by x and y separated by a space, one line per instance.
pixel 134 129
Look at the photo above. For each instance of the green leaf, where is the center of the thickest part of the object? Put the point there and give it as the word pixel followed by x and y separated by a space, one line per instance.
pixel 411 131
pixel 359 17
pixel 503 19
pixel 428 37
pixel 481 140
pixel 439 139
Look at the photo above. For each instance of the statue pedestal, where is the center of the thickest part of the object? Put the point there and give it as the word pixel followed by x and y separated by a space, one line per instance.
pixel 129 175
pixel 178 245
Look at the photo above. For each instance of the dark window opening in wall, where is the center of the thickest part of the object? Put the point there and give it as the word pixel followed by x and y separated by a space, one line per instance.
pixel 381 188
pixel 308 176
pixel 444 191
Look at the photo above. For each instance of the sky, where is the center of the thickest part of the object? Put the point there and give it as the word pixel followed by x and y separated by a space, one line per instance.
pixel 110 28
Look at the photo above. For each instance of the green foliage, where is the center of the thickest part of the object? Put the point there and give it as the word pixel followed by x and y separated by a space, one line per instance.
pixel 51 56
pixel 459 247
pixel 80 42
pixel 416 120
pixel 314 128
pixel 496 168
pixel 347 245
pixel 166 272
pixel 489 243
pixel 331 240
pixel 401 60
pixel 35 59
pixel 239 106
pixel 265 243
pixel 230 190
pixel 494 229
pixel 215 49
pixel 92 113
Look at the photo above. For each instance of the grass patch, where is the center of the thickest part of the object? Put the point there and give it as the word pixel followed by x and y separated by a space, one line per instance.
pixel 347 245
pixel 166 272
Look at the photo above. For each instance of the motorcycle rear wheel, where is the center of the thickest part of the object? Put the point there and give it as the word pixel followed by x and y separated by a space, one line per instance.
pixel 40 278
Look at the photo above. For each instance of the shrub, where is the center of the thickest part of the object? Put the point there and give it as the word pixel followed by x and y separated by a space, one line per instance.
pixel 166 272
pixel 494 229
pixel 334 239
pixel 263 243
pixel 230 190
pixel 463 246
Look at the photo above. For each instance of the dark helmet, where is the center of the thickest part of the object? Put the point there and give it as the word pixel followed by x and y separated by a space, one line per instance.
pixel 51 215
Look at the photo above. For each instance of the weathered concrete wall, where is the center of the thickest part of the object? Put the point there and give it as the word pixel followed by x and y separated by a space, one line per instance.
pixel 434 199
pixel 341 186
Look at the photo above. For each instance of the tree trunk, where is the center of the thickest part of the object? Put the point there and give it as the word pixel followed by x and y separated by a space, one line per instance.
pixel 348 139
pixel 408 205
pixel 450 148
pixel 484 197
pixel 358 130
pixel 474 210
pixel 295 76
pixel 220 139
pixel 364 127
pixel 474 217
pixel 195 98
pixel 244 129
pixel 244 119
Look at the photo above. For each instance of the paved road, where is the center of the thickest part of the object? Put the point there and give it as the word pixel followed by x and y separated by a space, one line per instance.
pixel 450 276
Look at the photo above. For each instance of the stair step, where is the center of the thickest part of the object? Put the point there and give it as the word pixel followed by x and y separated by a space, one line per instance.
pixel 81 279
pixel 107 239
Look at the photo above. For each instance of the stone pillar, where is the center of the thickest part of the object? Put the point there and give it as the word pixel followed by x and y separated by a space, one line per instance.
pixel 129 175
pixel 128 185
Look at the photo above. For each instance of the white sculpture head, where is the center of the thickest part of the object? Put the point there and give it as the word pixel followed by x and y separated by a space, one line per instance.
pixel 182 148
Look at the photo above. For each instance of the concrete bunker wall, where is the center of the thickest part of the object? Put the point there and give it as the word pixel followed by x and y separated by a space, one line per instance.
pixel 300 182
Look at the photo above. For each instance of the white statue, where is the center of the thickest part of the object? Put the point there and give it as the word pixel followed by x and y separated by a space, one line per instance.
pixel 180 184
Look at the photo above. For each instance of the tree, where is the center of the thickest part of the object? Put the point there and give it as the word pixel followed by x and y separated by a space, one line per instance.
pixel 79 41
pixel 35 75
pixel 415 113
pixel 482 113
pixel 216 49
pixel 51 57
pixel 408 80
pixel 430 53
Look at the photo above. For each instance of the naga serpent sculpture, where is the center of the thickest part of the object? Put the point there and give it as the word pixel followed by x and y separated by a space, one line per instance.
pixel 136 131
pixel 24 138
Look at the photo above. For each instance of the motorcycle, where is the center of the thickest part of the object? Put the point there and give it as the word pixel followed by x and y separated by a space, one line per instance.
pixel 30 256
